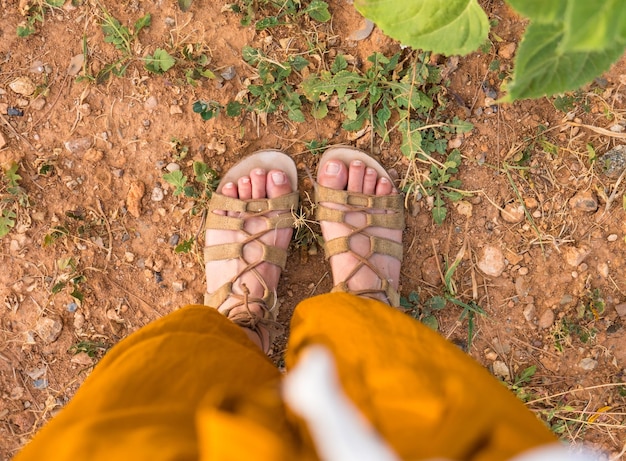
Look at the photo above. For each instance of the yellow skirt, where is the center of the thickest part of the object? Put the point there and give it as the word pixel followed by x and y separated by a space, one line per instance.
pixel 192 386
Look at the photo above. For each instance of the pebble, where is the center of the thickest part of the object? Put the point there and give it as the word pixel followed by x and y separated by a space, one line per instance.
pixel 529 312
pixel 575 256
pixel 114 316
pixel 584 201
pixel 172 167
pixel 151 103
pixel 523 271
pixel 228 73
pixel 93 155
pixel 157 194
pixel 174 239
pixel 37 104
pixel 512 213
pixel 133 198
pixel 566 299
pixel 82 359
pixel 129 257
pixel 537 214
pixel 501 370
pixel 178 286
pixel 492 262
pixel 78 145
pixel 117 172
pixel 23 86
pixel 588 364
pixel 612 238
pixel 455 143
pixel 507 50
pixel 49 328
pixel 158 278
pixel 613 162
pixel 603 270
pixel 175 110
pixel 3 141
pixel 71 307
pixel 621 310
pixel 430 271
pixel 79 321
pixel 14 112
pixel 546 320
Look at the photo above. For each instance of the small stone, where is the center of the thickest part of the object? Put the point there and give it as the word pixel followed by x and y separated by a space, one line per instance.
pixel 583 267
pixel 133 198
pixel 492 262
pixel 430 270
pixel 82 359
pixel 621 310
pixel 117 172
pixel 588 364
pixel 546 320
pixel 537 214
pixel 129 257
pixel 157 194
pixel 170 22
pixel 78 145
pixel 575 256
pixel 529 312
pixel 23 86
pixel 17 393
pixel 158 278
pixel 37 104
pixel 49 328
pixel 566 299
pixel 613 162
pixel 146 123
pixel 178 286
pixel 455 143
pixel 612 238
pixel 72 307
pixel 93 155
pixel 172 167
pixel 3 141
pixel 491 355
pixel 174 239
pixel 175 110
pixel 513 213
pixel 523 271
pixel 216 145
pixel 151 103
pixel 603 270
pixel 507 50
pixel 464 208
pixel 584 201
pixel 113 315
pixel 79 321
pixel 228 73
pixel 501 370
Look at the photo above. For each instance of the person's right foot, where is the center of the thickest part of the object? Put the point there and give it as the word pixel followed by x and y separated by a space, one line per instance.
pixel 335 174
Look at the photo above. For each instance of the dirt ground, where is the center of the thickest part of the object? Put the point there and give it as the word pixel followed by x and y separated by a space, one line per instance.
pixel 102 224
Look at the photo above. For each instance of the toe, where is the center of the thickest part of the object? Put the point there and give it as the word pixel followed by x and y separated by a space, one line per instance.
pixel 333 174
pixel 384 187
pixel 229 190
pixel 277 184
pixel 356 176
pixel 369 181
pixel 258 179
pixel 244 187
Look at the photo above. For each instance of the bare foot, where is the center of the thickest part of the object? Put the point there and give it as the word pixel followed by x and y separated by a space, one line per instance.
pixel 259 184
pixel 356 177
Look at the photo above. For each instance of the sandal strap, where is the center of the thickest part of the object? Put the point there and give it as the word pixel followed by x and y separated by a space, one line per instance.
pixel 358 202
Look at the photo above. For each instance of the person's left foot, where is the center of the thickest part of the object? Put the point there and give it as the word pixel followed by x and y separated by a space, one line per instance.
pixel 259 184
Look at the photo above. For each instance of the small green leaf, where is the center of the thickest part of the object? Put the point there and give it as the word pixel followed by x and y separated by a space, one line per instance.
pixel 161 61
pixel 234 108
pixel 266 23
pixel 439 214
pixel 77 295
pixel 176 179
pixel 318 10
pixel 185 246
pixel 298 62
pixel 435 303
pixel 431 322
pixel 319 110
pixel 339 64
pixel 184 5
pixel 142 22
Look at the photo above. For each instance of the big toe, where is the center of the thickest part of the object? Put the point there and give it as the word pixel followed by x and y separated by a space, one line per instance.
pixel 277 184
pixel 333 174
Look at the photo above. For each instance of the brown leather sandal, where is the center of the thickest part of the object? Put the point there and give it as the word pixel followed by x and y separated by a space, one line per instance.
pixel 393 218
pixel 277 213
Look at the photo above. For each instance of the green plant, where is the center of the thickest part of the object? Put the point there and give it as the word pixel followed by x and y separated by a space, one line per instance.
pixel 13 198
pixel 122 38
pixel 424 312
pixel 316 146
pixel 566 44
pixel 440 184
pixel 520 380
pixel 158 62
pixel 91 348
pixel 35 12
pixel 283 11
pixel 205 180
pixel 207 109
pixel 70 277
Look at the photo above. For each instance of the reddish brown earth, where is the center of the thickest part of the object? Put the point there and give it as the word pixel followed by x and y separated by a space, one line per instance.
pixel 551 264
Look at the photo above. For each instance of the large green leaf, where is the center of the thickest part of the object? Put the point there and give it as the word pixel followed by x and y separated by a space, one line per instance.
pixel 592 26
pixel 546 11
pixel 541 68
pixel 443 26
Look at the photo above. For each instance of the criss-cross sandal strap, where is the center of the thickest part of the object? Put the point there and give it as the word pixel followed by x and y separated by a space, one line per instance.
pixel 281 217
pixel 391 218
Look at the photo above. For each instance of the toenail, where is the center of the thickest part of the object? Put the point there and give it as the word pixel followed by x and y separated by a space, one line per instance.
pixel 370 171
pixel 245 180
pixel 357 163
pixel 332 168
pixel 384 181
pixel 259 171
pixel 229 185
pixel 279 178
